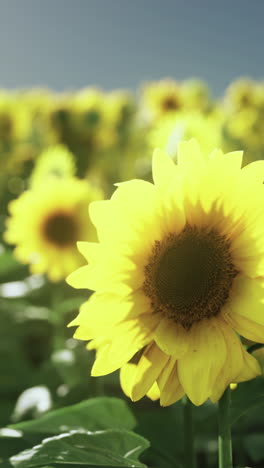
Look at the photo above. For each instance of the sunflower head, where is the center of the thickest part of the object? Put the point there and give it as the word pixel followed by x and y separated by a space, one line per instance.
pixel 189 275
pixel 162 98
pixel 242 94
pixel 178 276
pixel 169 131
pixel 54 162
pixel 47 221
pixel 196 95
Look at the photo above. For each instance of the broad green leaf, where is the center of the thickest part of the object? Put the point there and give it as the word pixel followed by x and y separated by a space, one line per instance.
pixel 247 396
pixel 93 414
pixel 117 448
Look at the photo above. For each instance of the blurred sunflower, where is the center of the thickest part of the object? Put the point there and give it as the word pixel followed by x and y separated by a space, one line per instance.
pixel 178 270
pixel 46 222
pixel 205 128
pixel 196 95
pixel 14 118
pixel 56 161
pixel 162 97
pixel 242 94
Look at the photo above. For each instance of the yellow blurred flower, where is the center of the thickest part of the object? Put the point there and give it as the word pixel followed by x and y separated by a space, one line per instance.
pixel 14 119
pixel 205 128
pixel 56 161
pixel 162 97
pixel 47 221
pixel 178 270
pixel 242 94
pixel 196 95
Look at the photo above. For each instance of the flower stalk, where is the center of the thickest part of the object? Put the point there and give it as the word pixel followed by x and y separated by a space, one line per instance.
pixel 224 431
pixel 189 452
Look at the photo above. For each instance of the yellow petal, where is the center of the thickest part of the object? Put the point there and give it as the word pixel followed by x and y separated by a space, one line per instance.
pixel 80 279
pixel 189 154
pixel 251 330
pixel 132 215
pixel 163 168
pixel 171 337
pixel 120 278
pixel 233 363
pixel 154 393
pixel 200 366
pixel 234 160
pixel 250 369
pixel 127 374
pixel 105 309
pixel 127 339
pixel 103 365
pixel 245 309
pixel 254 171
pixel 148 369
pixel 165 373
pixel 172 391
pixel 247 298
pixel 89 250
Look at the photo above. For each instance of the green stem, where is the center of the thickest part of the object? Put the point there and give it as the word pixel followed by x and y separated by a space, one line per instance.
pixel 57 318
pixel 189 453
pixel 224 437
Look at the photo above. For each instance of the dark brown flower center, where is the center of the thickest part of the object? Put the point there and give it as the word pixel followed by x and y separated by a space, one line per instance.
pixel 189 276
pixel 61 229
pixel 170 103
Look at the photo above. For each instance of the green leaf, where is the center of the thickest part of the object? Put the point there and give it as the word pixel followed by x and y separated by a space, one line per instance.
pixel 93 414
pixel 105 448
pixel 247 396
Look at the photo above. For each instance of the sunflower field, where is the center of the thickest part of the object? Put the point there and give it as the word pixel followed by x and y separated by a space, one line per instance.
pixel 132 277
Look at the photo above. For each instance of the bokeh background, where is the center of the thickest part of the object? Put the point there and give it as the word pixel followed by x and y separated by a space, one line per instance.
pixel 67 44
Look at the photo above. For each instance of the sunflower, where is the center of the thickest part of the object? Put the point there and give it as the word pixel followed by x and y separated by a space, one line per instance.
pixel 196 95
pixel 205 128
pixel 162 98
pixel 46 222
pixel 56 161
pixel 242 94
pixel 178 276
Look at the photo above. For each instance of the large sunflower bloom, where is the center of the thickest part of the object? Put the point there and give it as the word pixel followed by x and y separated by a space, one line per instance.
pixel 178 274
pixel 46 222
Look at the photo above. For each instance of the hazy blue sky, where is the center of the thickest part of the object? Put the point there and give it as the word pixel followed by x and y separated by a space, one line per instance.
pixel 120 43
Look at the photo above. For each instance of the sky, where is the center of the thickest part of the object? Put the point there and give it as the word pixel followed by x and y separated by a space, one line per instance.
pixel 70 44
